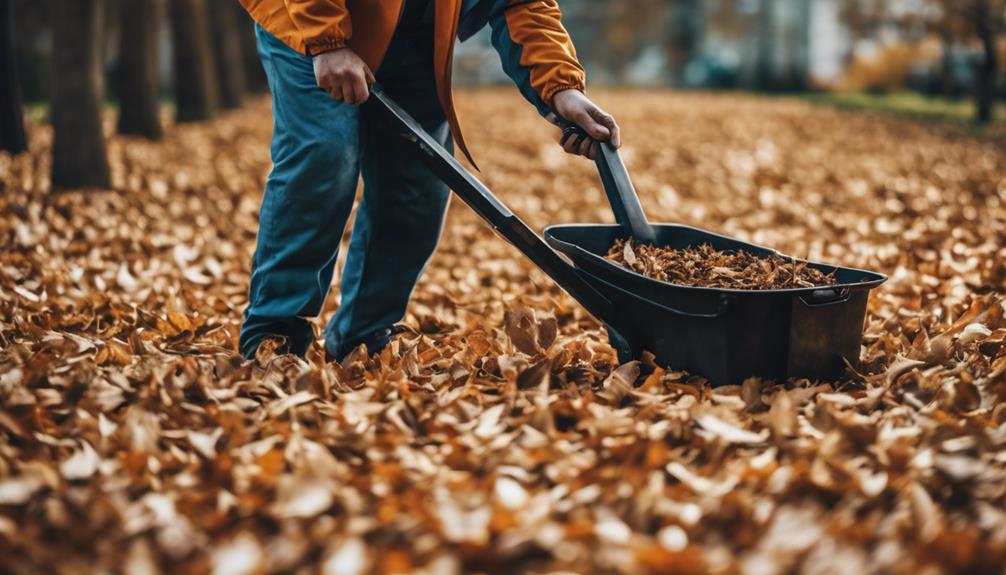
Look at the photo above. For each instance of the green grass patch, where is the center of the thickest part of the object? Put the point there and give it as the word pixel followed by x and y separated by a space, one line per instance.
pixel 905 103
pixel 37 112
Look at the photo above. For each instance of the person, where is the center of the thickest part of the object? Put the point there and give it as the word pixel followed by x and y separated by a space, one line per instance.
pixel 321 57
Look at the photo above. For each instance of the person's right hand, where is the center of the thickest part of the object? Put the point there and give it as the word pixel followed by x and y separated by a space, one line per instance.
pixel 343 75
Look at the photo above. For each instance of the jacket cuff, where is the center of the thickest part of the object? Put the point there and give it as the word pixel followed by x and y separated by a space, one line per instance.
pixel 322 45
pixel 551 91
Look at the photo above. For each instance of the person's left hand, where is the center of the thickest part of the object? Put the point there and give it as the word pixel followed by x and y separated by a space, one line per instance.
pixel 573 106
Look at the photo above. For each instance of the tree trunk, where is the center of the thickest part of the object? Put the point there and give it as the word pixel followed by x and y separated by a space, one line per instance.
pixel 139 85
pixel 800 66
pixel 988 68
pixel 12 135
pixel 227 51
pixel 255 77
pixel 33 57
pixel 685 27
pixel 79 157
pixel 947 84
pixel 195 78
pixel 764 61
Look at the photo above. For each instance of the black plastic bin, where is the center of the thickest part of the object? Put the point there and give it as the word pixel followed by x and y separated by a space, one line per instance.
pixel 722 334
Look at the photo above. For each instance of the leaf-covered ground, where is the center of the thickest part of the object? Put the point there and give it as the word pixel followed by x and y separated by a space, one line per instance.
pixel 500 435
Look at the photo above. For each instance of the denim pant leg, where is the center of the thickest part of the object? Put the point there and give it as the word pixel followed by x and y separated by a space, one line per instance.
pixel 401 215
pixel 308 198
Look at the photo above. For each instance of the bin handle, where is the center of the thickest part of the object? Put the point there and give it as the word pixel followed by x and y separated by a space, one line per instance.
pixel 724 302
pixel 723 306
pixel 826 297
pixel 617 186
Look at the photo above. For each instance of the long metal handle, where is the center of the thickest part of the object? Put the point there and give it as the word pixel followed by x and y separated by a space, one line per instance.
pixel 490 208
pixel 617 186
pixel 622 195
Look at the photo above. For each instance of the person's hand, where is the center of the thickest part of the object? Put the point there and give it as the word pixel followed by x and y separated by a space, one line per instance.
pixel 574 106
pixel 343 75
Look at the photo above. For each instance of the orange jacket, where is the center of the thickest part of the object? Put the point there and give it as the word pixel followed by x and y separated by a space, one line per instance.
pixel 534 47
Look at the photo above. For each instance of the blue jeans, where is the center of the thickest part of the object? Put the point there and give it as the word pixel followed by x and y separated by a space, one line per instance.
pixel 320 148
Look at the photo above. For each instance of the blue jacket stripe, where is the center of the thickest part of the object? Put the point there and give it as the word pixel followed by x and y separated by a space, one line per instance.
pixel 510 54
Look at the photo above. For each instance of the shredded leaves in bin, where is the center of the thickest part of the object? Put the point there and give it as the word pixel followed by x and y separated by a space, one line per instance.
pixel 704 266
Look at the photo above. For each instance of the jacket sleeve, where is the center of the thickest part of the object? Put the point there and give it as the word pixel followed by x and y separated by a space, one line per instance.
pixel 324 24
pixel 535 50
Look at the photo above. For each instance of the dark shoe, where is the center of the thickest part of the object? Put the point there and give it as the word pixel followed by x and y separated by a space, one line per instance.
pixel 270 346
pixel 278 344
pixel 375 342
